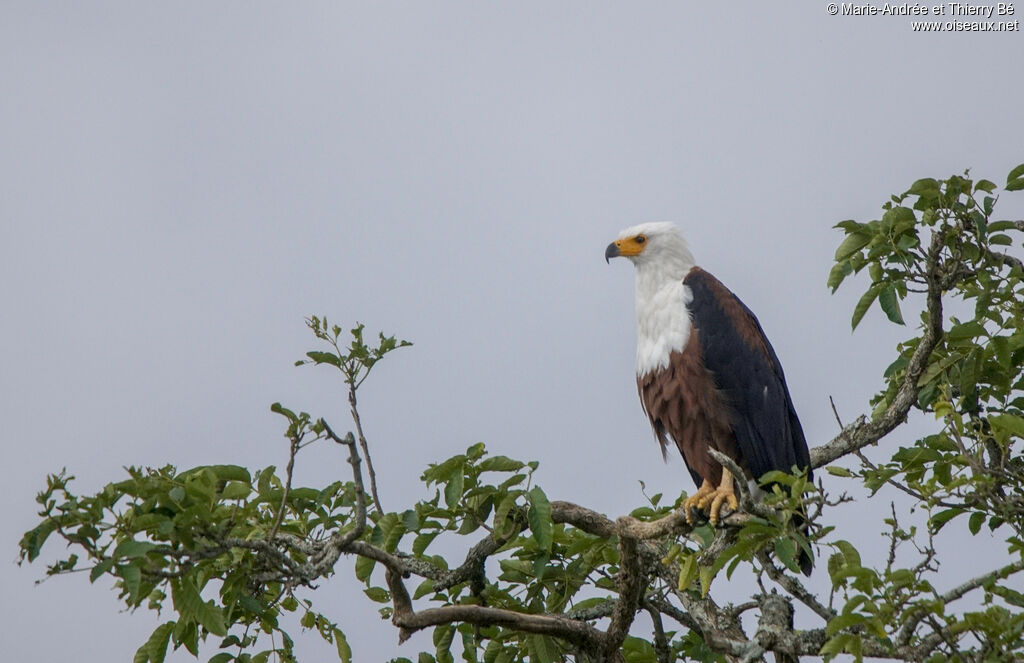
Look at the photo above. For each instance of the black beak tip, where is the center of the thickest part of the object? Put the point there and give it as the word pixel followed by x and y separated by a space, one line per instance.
pixel 611 252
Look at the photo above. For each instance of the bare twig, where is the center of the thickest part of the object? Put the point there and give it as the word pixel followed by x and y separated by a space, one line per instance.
pixel 293 449
pixel 326 558
pixel 835 412
pixel 366 450
pixel 661 647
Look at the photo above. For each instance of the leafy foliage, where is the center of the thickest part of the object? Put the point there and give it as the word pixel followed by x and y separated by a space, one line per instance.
pixel 229 553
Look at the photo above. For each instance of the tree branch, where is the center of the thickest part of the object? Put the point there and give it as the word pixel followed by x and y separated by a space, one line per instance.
pixel 366 449
pixel 861 433
pixel 293 448
pixel 917 615
pixel 630 587
pixel 408 621
pixel 794 587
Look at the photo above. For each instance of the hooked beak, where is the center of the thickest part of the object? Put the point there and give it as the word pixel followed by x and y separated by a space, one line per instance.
pixel 611 252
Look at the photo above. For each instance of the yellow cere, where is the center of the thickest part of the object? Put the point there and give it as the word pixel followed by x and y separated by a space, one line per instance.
pixel 632 246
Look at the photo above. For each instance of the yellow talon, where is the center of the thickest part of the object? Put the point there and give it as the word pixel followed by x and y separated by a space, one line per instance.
pixel 696 501
pixel 710 499
pixel 721 498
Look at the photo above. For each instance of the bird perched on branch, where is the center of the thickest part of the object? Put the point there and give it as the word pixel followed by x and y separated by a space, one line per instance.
pixel 706 373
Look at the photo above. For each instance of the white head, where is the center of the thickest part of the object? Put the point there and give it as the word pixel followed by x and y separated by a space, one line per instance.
pixel 662 260
pixel 654 248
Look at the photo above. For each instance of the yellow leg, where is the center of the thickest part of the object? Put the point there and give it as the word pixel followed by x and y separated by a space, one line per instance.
pixel 713 501
pixel 697 499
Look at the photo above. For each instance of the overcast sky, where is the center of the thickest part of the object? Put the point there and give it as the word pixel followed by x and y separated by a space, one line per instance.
pixel 182 184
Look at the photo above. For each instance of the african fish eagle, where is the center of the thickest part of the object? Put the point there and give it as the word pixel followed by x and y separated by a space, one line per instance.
pixel 706 373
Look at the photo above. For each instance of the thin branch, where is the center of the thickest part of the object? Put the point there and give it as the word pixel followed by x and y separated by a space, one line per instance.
pixel 906 489
pixel 293 449
pixel 473 564
pixel 835 412
pixel 666 608
pixel 366 450
pixel 661 647
pixel 918 614
pixel 327 557
pixel 408 621
pixel 861 433
pixel 794 587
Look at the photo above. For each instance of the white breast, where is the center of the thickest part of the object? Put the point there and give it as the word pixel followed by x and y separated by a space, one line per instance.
pixel 663 322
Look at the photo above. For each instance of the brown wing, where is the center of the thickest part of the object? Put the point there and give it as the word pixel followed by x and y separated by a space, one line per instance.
pixel 684 406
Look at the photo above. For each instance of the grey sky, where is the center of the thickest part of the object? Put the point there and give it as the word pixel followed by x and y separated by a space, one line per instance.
pixel 183 185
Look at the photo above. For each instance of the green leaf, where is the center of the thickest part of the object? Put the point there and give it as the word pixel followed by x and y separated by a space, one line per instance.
pixel 941 518
pixel 377 594
pixel 324 358
pixel 230 473
pixel 425 587
pixel 344 650
pixel 540 517
pixel 423 540
pixel 100 569
pixel 890 304
pixel 364 567
pixel 190 604
pixel 923 186
pixel 155 648
pixel 687 571
pixel 707 575
pixel 503 510
pixel 865 303
pixel 1007 424
pixel 131 548
pixel 34 539
pixel 277 408
pixel 212 618
pixel 971 329
pixel 985 185
pixel 853 243
pixel 785 550
pixel 410 520
pixel 131 577
pixel 998 226
pixel 236 490
pixel 976 521
pixel 1015 180
pixel 543 649
pixel 453 488
pixel 837 471
pixel 838 273
pixel 500 464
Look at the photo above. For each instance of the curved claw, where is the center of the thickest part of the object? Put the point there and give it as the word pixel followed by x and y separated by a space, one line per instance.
pixel 697 501
pixel 721 498
pixel 710 499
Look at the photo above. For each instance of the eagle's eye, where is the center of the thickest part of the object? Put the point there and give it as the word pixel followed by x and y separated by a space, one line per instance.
pixel 640 239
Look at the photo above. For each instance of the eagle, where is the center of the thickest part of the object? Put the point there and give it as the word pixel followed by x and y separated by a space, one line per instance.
pixel 707 375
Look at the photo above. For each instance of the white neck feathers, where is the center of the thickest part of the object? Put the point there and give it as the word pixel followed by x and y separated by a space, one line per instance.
pixel 662 321
pixel 662 317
